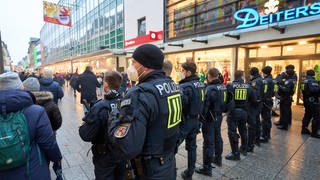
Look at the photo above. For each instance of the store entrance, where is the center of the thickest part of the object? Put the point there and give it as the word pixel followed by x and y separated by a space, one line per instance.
pixel 301 67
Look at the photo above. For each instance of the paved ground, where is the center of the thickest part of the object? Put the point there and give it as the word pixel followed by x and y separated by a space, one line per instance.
pixel 289 155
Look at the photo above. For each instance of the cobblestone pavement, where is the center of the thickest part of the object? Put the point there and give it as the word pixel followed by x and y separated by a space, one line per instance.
pixel 289 155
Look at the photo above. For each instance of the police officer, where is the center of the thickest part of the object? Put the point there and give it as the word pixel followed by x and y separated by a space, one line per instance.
pixel 106 165
pixel 286 83
pixel 147 125
pixel 311 93
pixel 254 129
pixel 237 118
pixel 192 101
pixel 215 97
pixel 267 103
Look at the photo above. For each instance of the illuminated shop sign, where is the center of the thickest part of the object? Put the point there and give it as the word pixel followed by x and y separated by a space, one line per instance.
pixel 250 17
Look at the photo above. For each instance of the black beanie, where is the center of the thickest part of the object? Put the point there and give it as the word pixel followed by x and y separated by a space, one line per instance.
pixel 267 70
pixel 149 56
pixel 254 71
pixel 311 73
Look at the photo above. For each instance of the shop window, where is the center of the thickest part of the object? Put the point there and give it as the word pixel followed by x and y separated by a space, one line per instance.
pixel 241 56
pixel 253 53
pixel 318 48
pixel 269 51
pixel 177 60
pixel 142 26
pixel 300 49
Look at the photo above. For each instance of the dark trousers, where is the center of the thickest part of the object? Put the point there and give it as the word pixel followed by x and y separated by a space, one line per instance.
pixel 212 140
pixel 285 112
pixel 108 168
pixel 266 118
pixel 156 169
pixel 311 111
pixel 188 132
pixel 237 119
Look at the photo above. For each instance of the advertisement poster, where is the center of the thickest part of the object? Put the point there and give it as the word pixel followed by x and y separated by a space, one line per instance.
pixel 57 14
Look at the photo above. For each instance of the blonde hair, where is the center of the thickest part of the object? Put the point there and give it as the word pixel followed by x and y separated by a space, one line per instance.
pixel 47 73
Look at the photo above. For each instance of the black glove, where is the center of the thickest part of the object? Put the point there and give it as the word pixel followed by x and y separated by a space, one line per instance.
pixel 57 170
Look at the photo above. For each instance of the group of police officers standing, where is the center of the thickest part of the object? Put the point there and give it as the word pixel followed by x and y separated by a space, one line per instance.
pixel 157 115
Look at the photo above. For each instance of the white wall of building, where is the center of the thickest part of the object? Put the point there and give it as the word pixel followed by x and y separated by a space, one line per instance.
pixel 137 9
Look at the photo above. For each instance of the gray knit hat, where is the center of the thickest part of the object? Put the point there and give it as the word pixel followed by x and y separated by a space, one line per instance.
pixel 10 80
pixel 31 84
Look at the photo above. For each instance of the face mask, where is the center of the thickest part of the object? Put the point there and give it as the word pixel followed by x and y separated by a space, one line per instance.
pixel 182 76
pixel 132 73
pixel 251 77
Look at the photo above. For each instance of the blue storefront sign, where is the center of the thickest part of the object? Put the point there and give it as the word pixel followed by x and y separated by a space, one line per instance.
pixel 249 17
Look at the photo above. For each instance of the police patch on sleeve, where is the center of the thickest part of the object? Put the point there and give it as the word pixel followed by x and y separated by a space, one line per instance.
pixel 125 102
pixel 122 130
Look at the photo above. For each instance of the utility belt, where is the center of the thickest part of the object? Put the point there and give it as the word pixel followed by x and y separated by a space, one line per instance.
pixel 147 164
pixel 100 149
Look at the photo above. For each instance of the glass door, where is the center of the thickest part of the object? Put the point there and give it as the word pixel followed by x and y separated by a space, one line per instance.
pixel 308 65
pixel 278 66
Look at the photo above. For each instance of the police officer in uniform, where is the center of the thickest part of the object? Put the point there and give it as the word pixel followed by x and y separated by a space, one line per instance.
pixel 254 133
pixel 237 118
pixel 311 93
pixel 267 103
pixel 147 125
pixel 106 165
pixel 192 101
pixel 215 97
pixel 286 83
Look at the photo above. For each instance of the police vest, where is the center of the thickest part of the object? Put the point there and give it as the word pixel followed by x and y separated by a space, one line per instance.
pixel 197 99
pixel 162 132
pixel 268 88
pixel 257 85
pixel 220 105
pixel 311 90
pixel 240 93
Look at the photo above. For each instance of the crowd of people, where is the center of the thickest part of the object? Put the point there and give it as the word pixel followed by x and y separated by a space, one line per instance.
pixel 136 131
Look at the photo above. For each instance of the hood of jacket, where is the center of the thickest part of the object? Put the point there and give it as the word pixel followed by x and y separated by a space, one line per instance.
pixel 43 96
pixel 46 81
pixel 15 100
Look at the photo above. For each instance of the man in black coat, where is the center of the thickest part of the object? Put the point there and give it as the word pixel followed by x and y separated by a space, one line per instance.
pixel 86 85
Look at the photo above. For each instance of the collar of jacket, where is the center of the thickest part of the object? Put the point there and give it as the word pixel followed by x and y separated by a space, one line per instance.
pixel 215 81
pixel 190 78
pixel 112 94
pixel 153 75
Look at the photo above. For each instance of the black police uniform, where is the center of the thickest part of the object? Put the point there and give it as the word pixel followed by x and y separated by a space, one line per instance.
pixel 215 97
pixel 254 128
pixel 237 118
pixel 147 126
pixel 311 93
pixel 192 101
pixel 268 90
pixel 94 129
pixel 286 89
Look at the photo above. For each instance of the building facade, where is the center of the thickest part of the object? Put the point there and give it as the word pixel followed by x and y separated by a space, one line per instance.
pixel 239 34
pixel 97 26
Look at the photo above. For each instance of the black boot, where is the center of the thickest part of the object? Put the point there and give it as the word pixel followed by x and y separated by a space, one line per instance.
pixel 217 161
pixel 186 175
pixel 305 130
pixel 233 156
pixel 251 148
pixel 264 140
pixel 205 170
pixel 243 151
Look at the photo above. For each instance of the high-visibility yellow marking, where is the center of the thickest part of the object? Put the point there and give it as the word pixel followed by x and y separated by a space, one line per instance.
pixel 174 108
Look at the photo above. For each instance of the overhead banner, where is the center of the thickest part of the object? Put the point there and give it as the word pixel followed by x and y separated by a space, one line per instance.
pixel 57 14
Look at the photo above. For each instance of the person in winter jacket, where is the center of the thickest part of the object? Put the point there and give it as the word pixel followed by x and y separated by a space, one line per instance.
pixel 42 139
pixel 47 84
pixel 86 85
pixel 44 99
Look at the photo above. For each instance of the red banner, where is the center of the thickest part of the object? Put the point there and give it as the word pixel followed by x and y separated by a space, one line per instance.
pixel 152 36
pixel 56 14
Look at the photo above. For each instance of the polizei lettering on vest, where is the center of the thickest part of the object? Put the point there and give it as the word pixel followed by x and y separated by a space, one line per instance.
pixel 168 88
